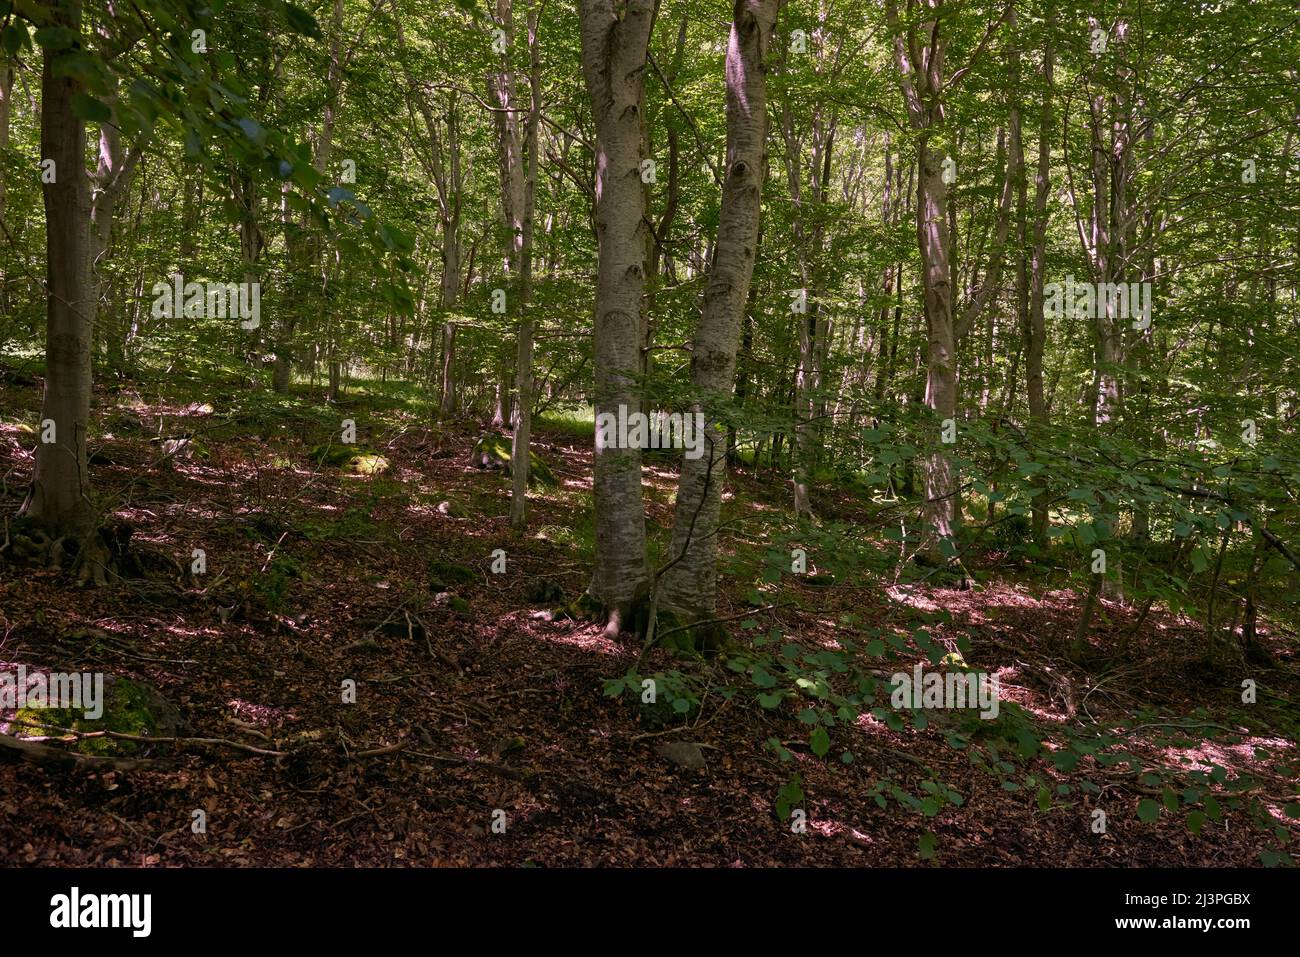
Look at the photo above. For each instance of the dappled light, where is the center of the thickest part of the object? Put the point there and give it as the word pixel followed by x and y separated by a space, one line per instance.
pixel 646 433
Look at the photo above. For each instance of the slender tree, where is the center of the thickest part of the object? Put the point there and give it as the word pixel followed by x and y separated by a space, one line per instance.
pixel 615 43
pixel 689 583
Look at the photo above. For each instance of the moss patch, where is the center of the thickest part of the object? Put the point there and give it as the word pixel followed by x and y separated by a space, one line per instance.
pixel 359 460
pixel 129 708
pixel 494 451
pixel 443 575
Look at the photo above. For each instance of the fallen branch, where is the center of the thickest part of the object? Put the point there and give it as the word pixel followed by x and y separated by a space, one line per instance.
pixel 44 754
pixel 499 769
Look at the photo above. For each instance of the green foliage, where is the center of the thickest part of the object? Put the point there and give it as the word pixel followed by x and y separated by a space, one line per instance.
pixel 129 708
pixel 272 584
pixel 353 524
pixel 444 575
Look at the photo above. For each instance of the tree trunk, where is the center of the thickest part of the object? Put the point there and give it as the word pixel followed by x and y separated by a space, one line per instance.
pixel 1036 330
pixel 689 582
pixel 942 507
pixel 524 358
pixel 59 497
pixel 6 107
pixel 447 403
pixel 615 41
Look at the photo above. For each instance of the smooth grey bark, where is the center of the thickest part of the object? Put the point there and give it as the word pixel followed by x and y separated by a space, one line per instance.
pixel 448 180
pixel 524 358
pixel 615 42
pixel 59 496
pixel 808 239
pixel 919 51
pixel 689 583
pixel 6 110
pixel 109 183
pixel 251 241
pixel 1035 332
pixel 510 166
pixel 305 253
pixel 510 160
pixel 447 400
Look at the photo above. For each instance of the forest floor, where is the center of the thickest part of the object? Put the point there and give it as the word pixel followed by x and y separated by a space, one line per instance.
pixel 472 699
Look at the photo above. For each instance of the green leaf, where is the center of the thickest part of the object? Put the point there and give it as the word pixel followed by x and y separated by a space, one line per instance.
pixel 395 239
pixel 57 38
pixel 790 795
pixel 1195 821
pixel 89 108
pixel 300 21
pixel 339 194
pixel 1065 760
pixel 1027 744
pixel 925 846
pixel 1148 810
pixel 252 129
pixel 820 741
pixel 15 38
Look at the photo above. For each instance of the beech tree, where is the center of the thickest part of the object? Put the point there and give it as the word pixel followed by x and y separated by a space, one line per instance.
pixel 615 40
pixel 60 498
pixel 689 582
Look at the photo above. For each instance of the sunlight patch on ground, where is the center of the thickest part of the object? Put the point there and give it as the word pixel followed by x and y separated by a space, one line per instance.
pixel 1238 757
pixel 908 595
pixel 590 638
pixel 259 714
pixel 836 828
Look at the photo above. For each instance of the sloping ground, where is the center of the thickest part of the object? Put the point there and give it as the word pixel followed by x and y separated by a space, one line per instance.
pixel 473 700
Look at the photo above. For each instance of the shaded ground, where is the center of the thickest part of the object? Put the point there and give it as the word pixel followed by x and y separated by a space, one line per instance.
pixel 472 699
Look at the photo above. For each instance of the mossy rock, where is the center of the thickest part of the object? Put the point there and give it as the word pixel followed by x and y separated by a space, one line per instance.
pixel 454 509
pixel 443 575
pixel 493 451
pixel 129 707
pixel 368 463
pixel 359 460
pixel 582 608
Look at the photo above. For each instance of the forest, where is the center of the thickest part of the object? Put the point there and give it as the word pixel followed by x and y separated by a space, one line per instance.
pixel 649 433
